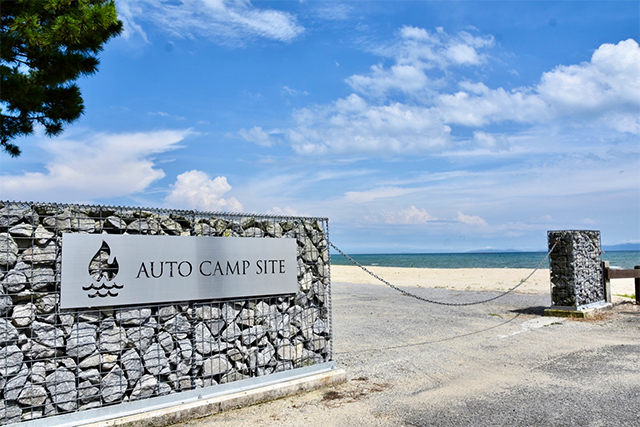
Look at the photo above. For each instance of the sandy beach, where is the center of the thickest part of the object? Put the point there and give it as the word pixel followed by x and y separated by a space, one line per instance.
pixel 463 279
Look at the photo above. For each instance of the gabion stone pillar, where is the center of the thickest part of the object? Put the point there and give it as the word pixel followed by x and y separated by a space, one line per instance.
pixel 576 269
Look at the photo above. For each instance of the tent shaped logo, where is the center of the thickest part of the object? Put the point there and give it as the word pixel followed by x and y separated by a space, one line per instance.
pixel 103 270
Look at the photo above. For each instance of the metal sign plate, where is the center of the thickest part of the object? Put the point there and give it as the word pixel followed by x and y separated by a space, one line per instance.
pixel 101 270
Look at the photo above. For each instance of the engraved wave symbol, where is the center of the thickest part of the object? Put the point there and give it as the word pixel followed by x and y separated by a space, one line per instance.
pixel 103 270
pixel 102 291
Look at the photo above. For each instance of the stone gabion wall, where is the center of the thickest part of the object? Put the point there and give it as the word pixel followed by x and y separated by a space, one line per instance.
pixel 576 268
pixel 55 361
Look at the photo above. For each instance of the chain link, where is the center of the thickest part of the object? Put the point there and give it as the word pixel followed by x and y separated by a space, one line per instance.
pixel 455 304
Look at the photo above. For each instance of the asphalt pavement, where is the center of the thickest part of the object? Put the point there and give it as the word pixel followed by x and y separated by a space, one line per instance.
pixel 502 363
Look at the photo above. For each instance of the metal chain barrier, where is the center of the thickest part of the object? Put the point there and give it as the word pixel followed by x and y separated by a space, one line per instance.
pixel 455 304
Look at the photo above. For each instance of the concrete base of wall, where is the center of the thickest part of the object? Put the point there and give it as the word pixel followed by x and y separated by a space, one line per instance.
pixel 581 314
pixel 206 407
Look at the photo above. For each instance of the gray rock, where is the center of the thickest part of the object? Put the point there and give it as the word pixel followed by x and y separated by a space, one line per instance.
pixel 215 365
pixel 14 385
pixel 167 313
pixel 88 392
pixel 231 333
pixel 132 364
pixel 61 385
pixel 290 352
pixel 204 340
pixel 34 350
pixel 219 225
pixel 8 250
pixel 184 368
pixel 11 358
pixel 171 227
pixel 90 361
pixel 185 349
pixel 203 229
pixel 273 229
pixel 92 375
pixel 47 335
pixel 21 230
pixel 163 389
pixel 141 337
pixel 253 232
pixel 263 311
pixel 10 412
pixel 166 341
pixel 11 215
pixel 108 361
pixel 37 255
pixel 82 340
pixel 253 334
pixel 246 317
pixel 6 303
pixel 42 277
pixel 38 373
pixel 113 340
pixel 155 360
pixel 207 312
pixel 42 235
pixel 235 354
pixel 47 303
pixel 229 312
pixel 114 385
pixel 233 376
pixel 8 334
pixel 115 223
pixel 145 387
pixel 32 395
pixel 144 226
pixel 309 251
pixel 133 317
pixel 319 327
pixel 15 281
pixel 178 325
pixel 215 326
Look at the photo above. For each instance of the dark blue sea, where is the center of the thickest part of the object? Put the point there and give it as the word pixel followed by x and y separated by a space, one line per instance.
pixel 617 259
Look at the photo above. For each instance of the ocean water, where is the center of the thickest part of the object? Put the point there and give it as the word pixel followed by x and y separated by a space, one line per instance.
pixel 617 259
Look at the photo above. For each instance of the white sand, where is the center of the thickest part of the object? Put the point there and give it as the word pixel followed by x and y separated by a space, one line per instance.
pixel 472 279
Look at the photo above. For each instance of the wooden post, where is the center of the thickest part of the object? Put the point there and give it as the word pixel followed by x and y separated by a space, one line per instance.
pixel 637 283
pixel 607 281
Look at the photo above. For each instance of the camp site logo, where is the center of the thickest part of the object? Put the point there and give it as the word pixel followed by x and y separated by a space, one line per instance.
pixel 103 270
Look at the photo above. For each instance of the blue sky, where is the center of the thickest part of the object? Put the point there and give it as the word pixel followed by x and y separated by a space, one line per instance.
pixel 413 126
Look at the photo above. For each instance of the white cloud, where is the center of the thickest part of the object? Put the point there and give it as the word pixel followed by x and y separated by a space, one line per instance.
pixel 610 82
pixel 93 167
pixel 411 215
pixel 223 21
pixel 607 89
pixel 351 125
pixel 287 91
pixel 470 219
pixel 405 78
pixel 376 193
pixel 333 11
pixel 416 52
pixel 196 190
pixel 478 106
pixel 602 94
pixel 257 136
pixel 492 142
pixel 286 211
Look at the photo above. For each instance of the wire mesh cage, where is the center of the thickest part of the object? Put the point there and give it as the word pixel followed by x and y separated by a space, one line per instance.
pixel 576 268
pixel 55 361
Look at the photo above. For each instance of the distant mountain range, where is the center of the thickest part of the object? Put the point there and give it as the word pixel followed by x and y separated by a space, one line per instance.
pixel 623 247
pixel 606 248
